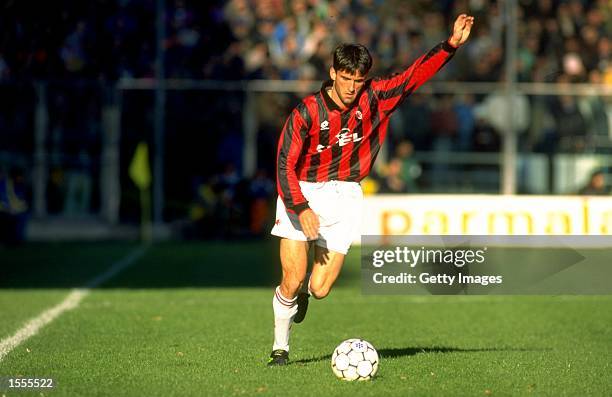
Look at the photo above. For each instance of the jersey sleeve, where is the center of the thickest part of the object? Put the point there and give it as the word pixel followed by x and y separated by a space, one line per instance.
pixel 289 151
pixel 392 90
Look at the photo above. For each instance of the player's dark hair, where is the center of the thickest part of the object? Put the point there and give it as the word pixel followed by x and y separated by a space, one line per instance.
pixel 352 58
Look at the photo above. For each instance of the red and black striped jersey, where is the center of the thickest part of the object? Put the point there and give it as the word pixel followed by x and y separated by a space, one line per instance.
pixel 322 142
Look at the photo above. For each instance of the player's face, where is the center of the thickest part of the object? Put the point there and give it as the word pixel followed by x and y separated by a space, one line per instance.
pixel 347 85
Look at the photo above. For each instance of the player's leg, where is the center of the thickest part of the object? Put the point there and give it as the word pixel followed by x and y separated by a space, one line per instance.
pixel 340 221
pixel 302 301
pixel 294 261
pixel 325 270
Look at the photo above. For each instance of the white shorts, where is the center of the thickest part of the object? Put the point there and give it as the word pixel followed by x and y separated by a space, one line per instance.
pixel 338 205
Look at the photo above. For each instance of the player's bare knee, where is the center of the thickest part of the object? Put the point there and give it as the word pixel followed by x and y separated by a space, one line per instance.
pixel 319 292
pixel 290 286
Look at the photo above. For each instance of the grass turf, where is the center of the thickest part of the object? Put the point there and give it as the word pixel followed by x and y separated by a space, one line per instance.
pixel 195 319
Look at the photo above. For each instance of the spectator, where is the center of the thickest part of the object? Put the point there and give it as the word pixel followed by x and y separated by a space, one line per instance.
pixel 596 186
pixel 392 181
pixel 5 71
pixel 595 115
pixel 417 115
pixel 410 168
pixel 261 191
pixel 13 207
pixel 444 124
pixel 464 109
pixel 444 127
pixel 493 111
pixel 73 50
pixel 570 123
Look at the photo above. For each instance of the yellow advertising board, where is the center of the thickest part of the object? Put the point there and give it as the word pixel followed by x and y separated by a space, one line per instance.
pixel 486 215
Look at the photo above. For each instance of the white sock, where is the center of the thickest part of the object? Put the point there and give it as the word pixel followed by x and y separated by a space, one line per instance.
pixel 284 311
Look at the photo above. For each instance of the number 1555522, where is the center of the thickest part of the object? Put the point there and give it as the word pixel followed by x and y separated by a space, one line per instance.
pixel 8 383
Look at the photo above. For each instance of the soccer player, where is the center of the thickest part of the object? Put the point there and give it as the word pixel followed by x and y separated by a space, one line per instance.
pixel 329 144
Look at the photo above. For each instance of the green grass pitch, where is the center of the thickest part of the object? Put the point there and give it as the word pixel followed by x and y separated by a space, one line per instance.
pixel 195 319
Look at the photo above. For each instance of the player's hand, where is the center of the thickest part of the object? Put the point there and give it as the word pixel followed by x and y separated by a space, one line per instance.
pixel 461 30
pixel 310 223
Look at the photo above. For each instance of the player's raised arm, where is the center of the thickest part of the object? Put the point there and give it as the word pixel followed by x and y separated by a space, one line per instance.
pixel 393 89
pixel 461 30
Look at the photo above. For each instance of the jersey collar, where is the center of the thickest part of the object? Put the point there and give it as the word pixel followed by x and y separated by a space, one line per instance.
pixel 329 102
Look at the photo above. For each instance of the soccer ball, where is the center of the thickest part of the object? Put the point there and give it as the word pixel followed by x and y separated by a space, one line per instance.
pixel 355 359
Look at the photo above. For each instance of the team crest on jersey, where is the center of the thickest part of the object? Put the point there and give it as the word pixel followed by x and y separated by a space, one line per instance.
pixel 358 114
pixel 325 125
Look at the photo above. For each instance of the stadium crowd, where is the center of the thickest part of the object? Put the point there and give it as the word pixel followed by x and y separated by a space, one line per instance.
pixel 278 39
pixel 565 41
pixel 293 40
pixel 562 41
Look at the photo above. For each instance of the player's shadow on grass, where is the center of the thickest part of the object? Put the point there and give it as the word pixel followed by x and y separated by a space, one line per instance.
pixel 411 351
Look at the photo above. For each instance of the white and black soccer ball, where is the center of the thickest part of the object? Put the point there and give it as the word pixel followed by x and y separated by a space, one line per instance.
pixel 355 359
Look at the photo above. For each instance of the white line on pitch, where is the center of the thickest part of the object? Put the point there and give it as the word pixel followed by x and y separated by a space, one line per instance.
pixel 73 300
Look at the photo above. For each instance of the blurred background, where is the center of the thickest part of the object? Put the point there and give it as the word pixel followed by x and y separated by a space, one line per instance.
pixel 166 113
